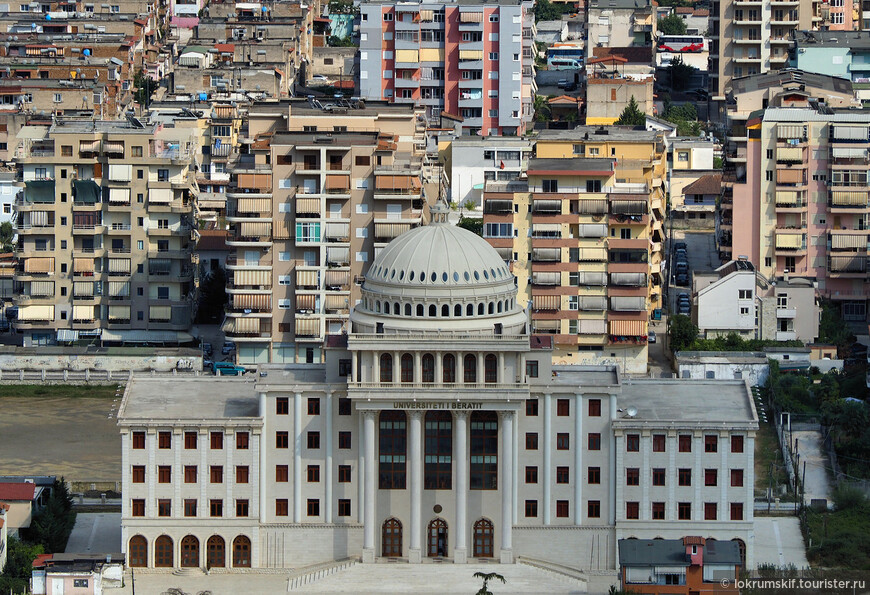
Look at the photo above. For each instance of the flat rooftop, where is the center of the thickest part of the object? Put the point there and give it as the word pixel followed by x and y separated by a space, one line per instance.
pixel 686 402
pixel 206 397
pixel 601 134
pixel 577 376
pixel 288 376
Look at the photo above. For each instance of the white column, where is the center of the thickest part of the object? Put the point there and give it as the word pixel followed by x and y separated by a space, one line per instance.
pixel 360 471
pixel 548 454
pixel 507 452
pixel 260 472
pixel 724 478
pixel 460 456
pixel 126 479
pixel 370 467
pixel 415 442
pixel 376 367
pixel 611 458
pixel 151 471
pixel 327 472
pixel 500 369
pixel 515 488
pixel 354 362
pixel 698 475
pixel 397 367
pixel 439 367
pixel 578 459
pixel 297 458
pixel 418 367
pixel 230 475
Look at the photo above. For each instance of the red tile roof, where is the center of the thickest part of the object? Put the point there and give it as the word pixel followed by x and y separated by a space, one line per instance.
pixel 17 491
pixel 708 184
pixel 685 10
pixel 634 55
pixel 41 560
pixel 212 239
pixel 701 12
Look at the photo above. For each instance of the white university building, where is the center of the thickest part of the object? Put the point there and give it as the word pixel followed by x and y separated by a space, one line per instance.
pixel 437 428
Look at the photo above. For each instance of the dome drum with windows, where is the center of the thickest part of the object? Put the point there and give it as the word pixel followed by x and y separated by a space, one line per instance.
pixel 439 277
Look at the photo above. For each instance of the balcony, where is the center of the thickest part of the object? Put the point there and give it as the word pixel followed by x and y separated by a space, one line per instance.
pixel 786 313
pixel 786 336
pixel 118 228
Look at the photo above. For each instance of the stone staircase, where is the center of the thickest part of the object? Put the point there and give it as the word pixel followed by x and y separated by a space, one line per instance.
pixel 307 575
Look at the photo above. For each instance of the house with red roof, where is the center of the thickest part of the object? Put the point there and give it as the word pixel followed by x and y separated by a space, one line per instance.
pixel 21 497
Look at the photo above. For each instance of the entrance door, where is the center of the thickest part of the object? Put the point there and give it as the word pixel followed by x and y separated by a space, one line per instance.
pixel 437 538
pixel 189 552
pixel 392 538
pixel 483 539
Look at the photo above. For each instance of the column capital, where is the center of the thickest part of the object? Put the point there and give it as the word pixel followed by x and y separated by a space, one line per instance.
pixel 415 414
pixel 460 413
pixel 298 394
pixel 368 413
pixel 506 415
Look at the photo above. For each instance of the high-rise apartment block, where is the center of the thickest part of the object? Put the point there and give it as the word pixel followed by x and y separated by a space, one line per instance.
pixel 584 236
pixel 805 201
pixel 310 204
pixel 472 59
pixel 104 232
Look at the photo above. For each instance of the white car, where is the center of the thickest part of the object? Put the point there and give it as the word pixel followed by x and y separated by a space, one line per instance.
pixel 319 78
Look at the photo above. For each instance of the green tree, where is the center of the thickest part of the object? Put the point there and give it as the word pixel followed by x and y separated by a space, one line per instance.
pixel 51 527
pixel 488 576
pixel 472 224
pixel 143 87
pixel 542 108
pixel 682 332
pixel 631 115
pixel 548 11
pixel 833 329
pixel 7 233
pixel 680 74
pixel 334 41
pixel 19 564
pixel 672 25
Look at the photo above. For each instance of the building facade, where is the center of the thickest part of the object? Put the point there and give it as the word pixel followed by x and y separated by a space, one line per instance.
pixel 473 161
pixel 440 429
pixel 470 59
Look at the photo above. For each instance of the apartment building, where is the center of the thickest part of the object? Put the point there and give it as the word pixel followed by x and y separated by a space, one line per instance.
pixel 471 59
pixel 753 38
pixel 473 160
pixel 620 23
pixel 584 238
pixel 311 203
pixel 441 429
pixel 104 229
pixel 805 197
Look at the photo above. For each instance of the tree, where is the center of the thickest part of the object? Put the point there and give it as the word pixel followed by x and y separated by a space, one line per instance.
pixel 682 333
pixel 680 74
pixel 7 233
pixel 672 25
pixel 51 527
pixel 334 41
pixel 472 224
pixel 488 576
pixel 19 565
pixel 547 11
pixel 542 108
pixel 144 86
pixel 631 115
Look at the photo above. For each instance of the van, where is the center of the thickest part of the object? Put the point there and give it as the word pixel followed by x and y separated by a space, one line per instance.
pixel 227 369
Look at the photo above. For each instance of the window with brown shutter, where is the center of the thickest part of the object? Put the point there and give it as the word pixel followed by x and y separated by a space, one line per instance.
pixel 282 473
pixel 242 440
pixel 164 474
pixel 190 440
pixel 242 473
pixel 190 474
pixel 217 440
pixel 138 440
pixel 216 474
pixel 138 473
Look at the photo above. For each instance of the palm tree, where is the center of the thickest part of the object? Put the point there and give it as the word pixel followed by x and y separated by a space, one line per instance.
pixel 488 576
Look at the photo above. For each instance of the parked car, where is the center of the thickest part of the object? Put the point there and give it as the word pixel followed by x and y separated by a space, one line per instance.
pixel 319 78
pixel 681 267
pixel 208 364
pixel 562 84
pixel 227 369
pixel 682 278
pixel 228 348
pixel 207 349
pixel 680 246
pixel 651 337
pixel 683 297
pixel 684 308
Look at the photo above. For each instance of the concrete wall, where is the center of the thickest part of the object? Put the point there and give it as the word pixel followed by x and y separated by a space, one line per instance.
pixel 161 363
pixel 586 548
pixel 18 516
pixel 298 546
pixel 755 373
pixel 718 306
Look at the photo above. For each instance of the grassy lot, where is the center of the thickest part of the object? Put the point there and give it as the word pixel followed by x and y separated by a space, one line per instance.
pixel 840 539
pixel 58 391
pixel 767 452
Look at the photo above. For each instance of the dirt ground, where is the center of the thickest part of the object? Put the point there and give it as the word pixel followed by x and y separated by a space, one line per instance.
pixel 73 437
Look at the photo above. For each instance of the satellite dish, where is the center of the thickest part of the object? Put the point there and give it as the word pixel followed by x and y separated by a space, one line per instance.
pixel 631 411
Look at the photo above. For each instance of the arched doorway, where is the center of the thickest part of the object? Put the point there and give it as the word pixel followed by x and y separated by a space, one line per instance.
pixel 137 552
pixel 189 552
pixel 392 538
pixel 483 533
pixel 215 552
pixel 437 538
pixel 241 552
pixel 163 552
pixel 742 545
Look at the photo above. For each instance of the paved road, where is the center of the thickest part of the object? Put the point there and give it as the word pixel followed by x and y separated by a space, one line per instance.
pixel 778 541
pixel 96 533
pixel 811 451
pixel 702 255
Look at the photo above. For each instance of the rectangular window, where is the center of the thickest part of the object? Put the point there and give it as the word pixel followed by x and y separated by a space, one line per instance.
pixel 138 440
pixel 344 474
pixel 550 186
pixel 531 441
pixel 593 475
pixel 164 440
pixel 563 475
pixel 737 443
pixel 632 476
pixel 658 511
pixel 737 511
pixel 282 440
pixel 594 407
pixel 217 440
pixel 531 508
pixel 313 507
pixel 216 508
pixel 684 511
pixel 563 407
pixel 531 407
pixel 711 443
pixel 313 473
pixel 343 507
pixel 711 477
pixel 190 507
pixel 684 477
pixel 531 474
pixel 685 443
pixel 190 440
pixel 632 442
pixel 737 478
pixel 164 507
pixel 138 507
pixel 532 368
pixel 709 511
pixel 344 440
pixel 138 473
pixel 164 474
pixel 563 441
pixel 216 474
pixel 632 510
pixel 562 509
pixel 242 440
pixel 313 406
pixel 658 442
pixel 243 473
pixel 190 474
pixel 344 407
pixel 658 476
pixel 593 441
pixel 242 508
pixel 282 473
pixel 282 507
pixel 313 440
pixel 593 509
pixel 282 405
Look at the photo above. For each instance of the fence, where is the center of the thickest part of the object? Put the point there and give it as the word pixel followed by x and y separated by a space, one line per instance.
pixel 83 376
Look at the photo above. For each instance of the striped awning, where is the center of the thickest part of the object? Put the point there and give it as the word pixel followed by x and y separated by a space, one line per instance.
pixel 336 302
pixel 591 278
pixel 407 56
pixel 505 253
pixel 790 240
pixel 119 265
pixel 591 230
pixel 427 15
pixel 592 327
pixel 83 312
pixel 592 254
pixel 632 279
pixel 592 206
pixel 306 302
pixel 308 206
pixel 628 304
pixel 83 288
pixel 840 241
pixel 787 197
pixel 592 302
pixel 337 182
pixel 39 265
pixel 546 326
pixel 251 229
pixel 628 328
pixel 546 278
pixel 544 205
pixel 337 231
pixel 89 146
pixel 307 279
pixel 261 182
pixel 337 255
pixel 629 207
pixel 119 288
pixel 849 264
pixel 160 313
pixel 254 205
pixel 114 147
pixel 845 198
pixel 334 278
pixel 252 278
pixel 790 154
pixel 547 254
pixel 39 218
pixel 471 54
pixel 159 195
pixel 308 327
pixel 546 228
pixel 119 312
pixel 41 288
pixel 83 265
pixel 247 301
pixel 848 153
pixel 159 266
pixel 790 131
pixel 33 313
pixel 120 172
pixel 282 230
pixel 119 195
pixel 391 230
pixel 471 17
pixel 397 182
pixel 789 176
pixel 546 302
pixel 856 133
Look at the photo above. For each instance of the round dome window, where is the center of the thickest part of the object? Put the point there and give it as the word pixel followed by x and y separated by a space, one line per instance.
pixel 455 276
pixel 444 277
pixel 422 276
pixel 476 276
pixel 467 276
pixel 411 276
pixel 401 275
pixel 485 274
pixel 434 276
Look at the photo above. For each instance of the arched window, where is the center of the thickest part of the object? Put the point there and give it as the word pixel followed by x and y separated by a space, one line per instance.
pixel 470 369
pixel 137 552
pixel 480 308
pixel 490 369
pixel 391 538
pixel 215 552
pixel 386 364
pixel 386 307
pixel 439 450
pixel 448 375
pixel 457 310
pixel 469 310
pixel 445 311
pixel 420 310
pixel 433 311
pixel 407 367
pixel 396 309
pixel 241 552
pixel 484 451
pixel 437 538
pixel 742 545
pixel 378 307
pixel 492 307
pixel 407 309
pixel 483 538
pixel 163 552
pixel 498 309
pixel 428 368
pixel 189 552
pixel 392 443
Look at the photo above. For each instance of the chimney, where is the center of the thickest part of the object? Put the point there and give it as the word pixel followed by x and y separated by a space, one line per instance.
pixel 694 550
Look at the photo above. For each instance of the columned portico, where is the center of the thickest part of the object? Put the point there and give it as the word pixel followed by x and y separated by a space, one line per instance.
pixel 460 455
